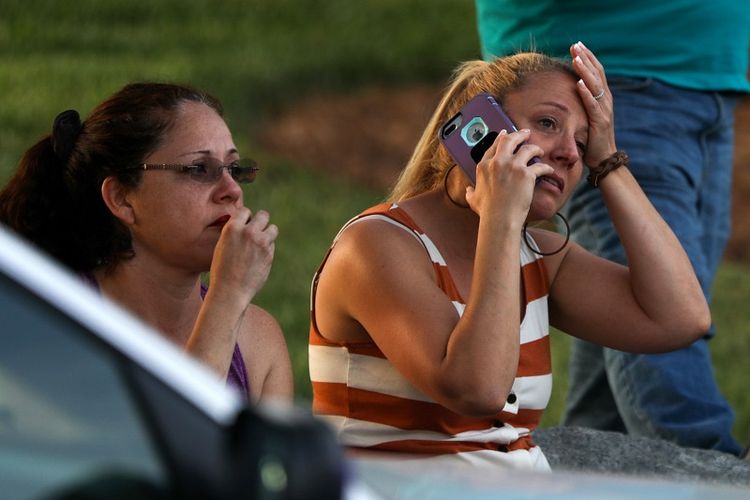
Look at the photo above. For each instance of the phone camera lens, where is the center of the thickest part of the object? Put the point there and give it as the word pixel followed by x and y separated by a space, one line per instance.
pixel 474 131
pixel 451 126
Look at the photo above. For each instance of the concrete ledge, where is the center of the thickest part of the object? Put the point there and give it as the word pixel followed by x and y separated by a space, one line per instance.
pixel 580 449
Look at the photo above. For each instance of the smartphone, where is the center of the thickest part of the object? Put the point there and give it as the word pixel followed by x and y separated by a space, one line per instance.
pixel 469 134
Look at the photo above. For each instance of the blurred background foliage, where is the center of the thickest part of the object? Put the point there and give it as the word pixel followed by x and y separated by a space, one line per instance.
pixel 261 58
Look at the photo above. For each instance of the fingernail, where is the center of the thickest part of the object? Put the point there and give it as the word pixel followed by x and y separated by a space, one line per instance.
pixel 578 60
pixel 503 132
pixel 581 83
pixel 526 130
pixel 581 44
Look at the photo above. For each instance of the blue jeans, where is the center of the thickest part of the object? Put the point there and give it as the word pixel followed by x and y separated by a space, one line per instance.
pixel 680 144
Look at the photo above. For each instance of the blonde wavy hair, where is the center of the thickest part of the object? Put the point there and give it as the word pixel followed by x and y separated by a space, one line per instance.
pixel 499 77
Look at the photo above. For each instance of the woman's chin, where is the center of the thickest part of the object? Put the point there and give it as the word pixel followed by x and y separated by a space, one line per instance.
pixel 540 212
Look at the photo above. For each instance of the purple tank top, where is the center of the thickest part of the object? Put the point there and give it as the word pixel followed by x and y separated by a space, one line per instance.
pixel 237 376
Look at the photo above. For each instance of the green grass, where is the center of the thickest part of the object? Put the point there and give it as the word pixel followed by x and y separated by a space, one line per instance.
pixel 254 55
pixel 731 347
pixel 258 57
pixel 309 209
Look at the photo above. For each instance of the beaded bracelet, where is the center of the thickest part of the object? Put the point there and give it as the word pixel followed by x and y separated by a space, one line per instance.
pixel 607 165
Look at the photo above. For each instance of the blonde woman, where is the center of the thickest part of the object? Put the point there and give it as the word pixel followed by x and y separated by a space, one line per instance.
pixel 431 312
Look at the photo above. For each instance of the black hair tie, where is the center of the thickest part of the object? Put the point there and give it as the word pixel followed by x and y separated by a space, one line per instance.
pixel 65 131
pixel 545 254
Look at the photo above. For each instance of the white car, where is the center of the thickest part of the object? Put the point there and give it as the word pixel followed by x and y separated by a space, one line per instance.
pixel 93 404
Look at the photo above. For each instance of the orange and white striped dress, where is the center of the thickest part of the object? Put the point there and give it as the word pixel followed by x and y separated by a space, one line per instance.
pixel 373 407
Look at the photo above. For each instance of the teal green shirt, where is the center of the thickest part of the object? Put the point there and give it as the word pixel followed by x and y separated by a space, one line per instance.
pixel 694 44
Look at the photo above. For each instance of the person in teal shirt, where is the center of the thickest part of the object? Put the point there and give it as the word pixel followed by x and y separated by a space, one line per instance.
pixel 676 69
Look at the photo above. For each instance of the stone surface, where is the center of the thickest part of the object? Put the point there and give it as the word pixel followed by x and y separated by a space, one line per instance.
pixel 580 449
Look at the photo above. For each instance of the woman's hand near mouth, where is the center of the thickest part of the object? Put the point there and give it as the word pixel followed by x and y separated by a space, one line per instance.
pixel 243 255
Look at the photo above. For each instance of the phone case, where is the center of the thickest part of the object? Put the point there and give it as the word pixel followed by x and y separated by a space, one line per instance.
pixel 469 134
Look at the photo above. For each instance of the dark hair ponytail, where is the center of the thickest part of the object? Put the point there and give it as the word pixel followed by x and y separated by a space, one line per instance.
pixel 35 202
pixel 54 199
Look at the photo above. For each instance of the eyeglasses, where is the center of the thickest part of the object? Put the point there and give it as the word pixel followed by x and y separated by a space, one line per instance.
pixel 242 171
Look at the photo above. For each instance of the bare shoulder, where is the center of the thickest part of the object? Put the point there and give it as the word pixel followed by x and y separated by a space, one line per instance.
pixel 550 242
pixel 260 330
pixel 374 243
pixel 265 353
pixel 365 275
pixel 378 256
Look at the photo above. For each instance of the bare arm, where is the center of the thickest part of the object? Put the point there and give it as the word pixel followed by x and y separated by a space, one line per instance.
pixel 656 303
pixel 379 281
pixel 241 263
pixel 266 357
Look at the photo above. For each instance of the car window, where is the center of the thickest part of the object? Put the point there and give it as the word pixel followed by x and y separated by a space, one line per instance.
pixel 66 416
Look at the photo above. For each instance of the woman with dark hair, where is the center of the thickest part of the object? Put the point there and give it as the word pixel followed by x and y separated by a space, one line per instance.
pixel 141 198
